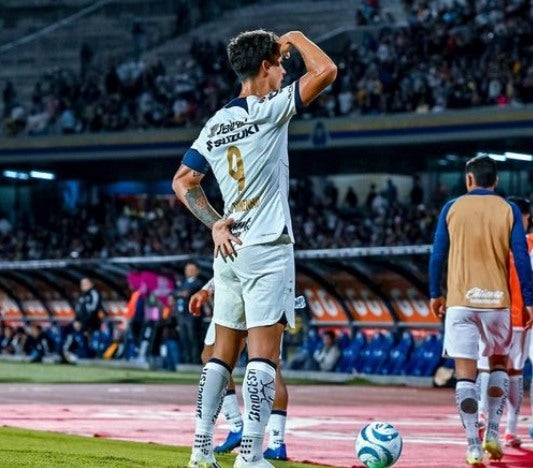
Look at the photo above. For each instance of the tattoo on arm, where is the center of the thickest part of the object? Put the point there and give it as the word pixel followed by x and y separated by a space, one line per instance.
pixel 200 207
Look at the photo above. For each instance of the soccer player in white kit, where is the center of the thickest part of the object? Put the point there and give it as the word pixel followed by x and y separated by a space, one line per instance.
pixel 245 144
pixel 276 449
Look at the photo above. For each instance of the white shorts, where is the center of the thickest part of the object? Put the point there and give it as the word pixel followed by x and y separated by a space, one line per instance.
pixel 517 354
pixel 256 288
pixel 469 333
pixel 210 334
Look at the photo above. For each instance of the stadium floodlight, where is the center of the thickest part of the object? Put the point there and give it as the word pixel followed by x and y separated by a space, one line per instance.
pixel 42 175
pixel 16 175
pixel 519 156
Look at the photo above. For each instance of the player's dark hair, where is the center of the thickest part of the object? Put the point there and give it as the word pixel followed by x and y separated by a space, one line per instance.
pixel 523 204
pixel 483 168
pixel 247 51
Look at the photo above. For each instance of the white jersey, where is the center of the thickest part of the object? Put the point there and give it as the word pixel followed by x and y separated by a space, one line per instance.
pixel 245 144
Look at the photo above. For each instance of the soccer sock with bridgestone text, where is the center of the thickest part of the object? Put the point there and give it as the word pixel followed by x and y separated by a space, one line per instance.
pixel 213 383
pixel 258 390
pixel 277 422
pixel 231 411
pixel 514 402
pixel 466 401
pixel 483 383
pixel 498 380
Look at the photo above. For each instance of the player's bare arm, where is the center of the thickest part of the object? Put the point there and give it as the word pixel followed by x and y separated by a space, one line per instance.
pixel 438 306
pixel 197 301
pixel 321 70
pixel 529 323
pixel 187 187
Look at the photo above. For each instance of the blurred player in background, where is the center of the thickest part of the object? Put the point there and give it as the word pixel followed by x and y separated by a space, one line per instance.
pixel 475 234
pixel 277 449
pixel 245 144
pixel 519 346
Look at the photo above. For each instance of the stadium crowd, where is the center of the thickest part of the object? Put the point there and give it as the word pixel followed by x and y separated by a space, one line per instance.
pixel 140 226
pixel 449 55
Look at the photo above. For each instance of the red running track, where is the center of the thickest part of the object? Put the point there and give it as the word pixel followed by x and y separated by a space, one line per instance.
pixel 322 425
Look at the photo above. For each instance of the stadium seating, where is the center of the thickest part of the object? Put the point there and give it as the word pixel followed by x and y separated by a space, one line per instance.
pixel 376 352
pixel 316 18
pixel 350 354
pixel 426 356
pixel 398 356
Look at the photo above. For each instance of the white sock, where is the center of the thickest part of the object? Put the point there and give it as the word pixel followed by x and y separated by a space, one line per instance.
pixel 498 379
pixel 213 382
pixel 231 411
pixel 514 402
pixel 258 392
pixel 466 401
pixel 483 383
pixel 277 421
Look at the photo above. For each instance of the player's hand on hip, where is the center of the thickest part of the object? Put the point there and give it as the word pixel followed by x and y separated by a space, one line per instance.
pixel 438 306
pixel 197 301
pixel 529 323
pixel 223 238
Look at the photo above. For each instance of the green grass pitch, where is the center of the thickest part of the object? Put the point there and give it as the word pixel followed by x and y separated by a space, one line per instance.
pixel 23 448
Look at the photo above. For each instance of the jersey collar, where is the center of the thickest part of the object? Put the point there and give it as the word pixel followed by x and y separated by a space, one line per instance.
pixel 238 102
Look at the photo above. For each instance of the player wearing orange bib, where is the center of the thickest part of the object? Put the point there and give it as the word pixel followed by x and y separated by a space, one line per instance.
pixel 519 347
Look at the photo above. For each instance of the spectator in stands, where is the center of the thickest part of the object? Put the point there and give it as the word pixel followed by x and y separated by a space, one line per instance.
pixel 190 326
pixel 86 58
pixel 6 336
pixel 159 226
pixel 169 336
pixel 452 55
pixel 38 344
pixel 135 315
pixel 326 358
pixel 9 95
pixel 416 195
pixel 88 320
pixel 88 308
pixel 372 193
pixel 316 355
pixel 12 341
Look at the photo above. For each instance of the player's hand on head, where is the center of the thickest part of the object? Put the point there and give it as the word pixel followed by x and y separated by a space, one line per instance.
pixel 438 306
pixel 197 301
pixel 223 239
pixel 285 44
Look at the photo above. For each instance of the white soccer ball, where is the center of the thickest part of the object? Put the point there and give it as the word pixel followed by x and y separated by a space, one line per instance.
pixel 378 445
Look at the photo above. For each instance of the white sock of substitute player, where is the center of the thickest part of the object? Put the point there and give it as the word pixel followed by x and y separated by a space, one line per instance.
pixel 483 383
pixel 514 402
pixel 277 421
pixel 213 383
pixel 258 390
pixel 231 411
pixel 466 401
pixel 499 387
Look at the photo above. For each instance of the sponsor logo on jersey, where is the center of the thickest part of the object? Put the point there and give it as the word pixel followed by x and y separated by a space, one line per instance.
pixel 484 296
pixel 244 133
pixel 223 128
pixel 245 205
pixel 241 227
